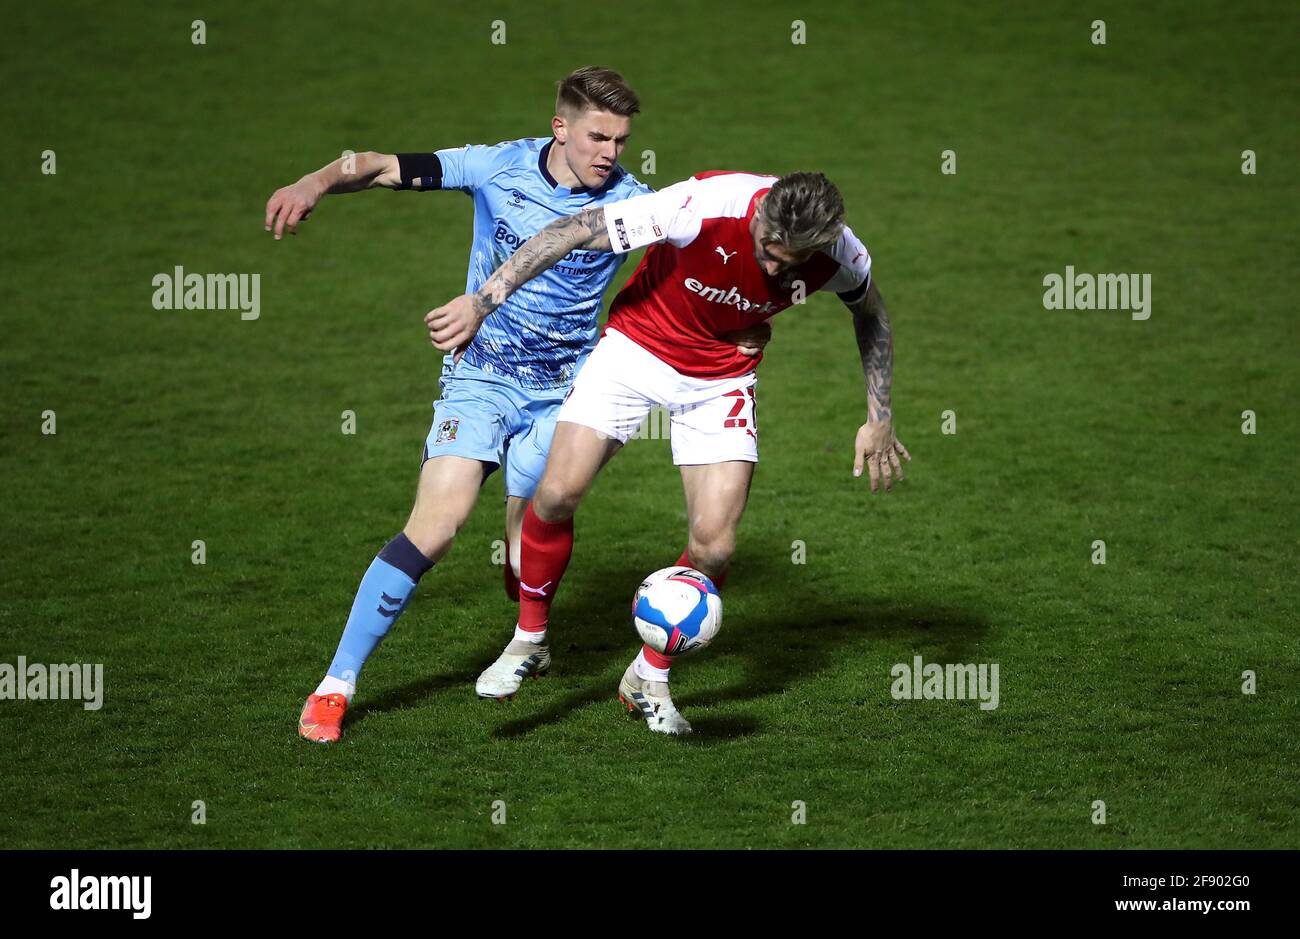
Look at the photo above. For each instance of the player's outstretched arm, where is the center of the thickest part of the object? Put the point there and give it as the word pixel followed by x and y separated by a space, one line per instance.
pixel 876 445
pixel 455 324
pixel 352 173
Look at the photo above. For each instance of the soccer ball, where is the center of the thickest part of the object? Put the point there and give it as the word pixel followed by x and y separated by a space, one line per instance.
pixel 677 610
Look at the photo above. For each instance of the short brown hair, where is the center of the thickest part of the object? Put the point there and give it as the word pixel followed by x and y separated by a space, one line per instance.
pixel 803 212
pixel 597 88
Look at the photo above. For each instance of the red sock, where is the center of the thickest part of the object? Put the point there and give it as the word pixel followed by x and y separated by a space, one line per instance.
pixel 512 582
pixel 685 561
pixel 547 547
pixel 657 659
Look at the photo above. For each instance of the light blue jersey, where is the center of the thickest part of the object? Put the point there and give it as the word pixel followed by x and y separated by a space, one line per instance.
pixel 539 336
pixel 499 404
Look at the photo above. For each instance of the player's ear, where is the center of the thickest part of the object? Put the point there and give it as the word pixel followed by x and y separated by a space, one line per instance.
pixel 559 128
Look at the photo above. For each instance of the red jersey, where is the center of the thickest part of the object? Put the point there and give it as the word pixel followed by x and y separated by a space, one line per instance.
pixel 700 279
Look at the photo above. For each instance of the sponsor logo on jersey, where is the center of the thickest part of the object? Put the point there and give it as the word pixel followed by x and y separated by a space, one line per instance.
pixel 621 229
pixel 504 236
pixel 730 297
pixel 725 256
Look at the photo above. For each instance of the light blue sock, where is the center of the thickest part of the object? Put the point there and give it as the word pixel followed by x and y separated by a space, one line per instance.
pixel 388 585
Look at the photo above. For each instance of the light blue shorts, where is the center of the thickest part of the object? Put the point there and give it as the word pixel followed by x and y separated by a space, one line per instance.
pixel 484 417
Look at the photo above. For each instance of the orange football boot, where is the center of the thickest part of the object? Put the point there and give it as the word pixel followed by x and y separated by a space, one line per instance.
pixel 322 718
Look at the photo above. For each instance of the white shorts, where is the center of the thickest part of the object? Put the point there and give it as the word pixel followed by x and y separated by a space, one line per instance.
pixel 711 419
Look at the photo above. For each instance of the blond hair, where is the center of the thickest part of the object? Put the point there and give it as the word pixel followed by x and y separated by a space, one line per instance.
pixel 803 213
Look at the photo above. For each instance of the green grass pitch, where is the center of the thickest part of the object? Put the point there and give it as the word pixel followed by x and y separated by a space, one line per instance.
pixel 1120 683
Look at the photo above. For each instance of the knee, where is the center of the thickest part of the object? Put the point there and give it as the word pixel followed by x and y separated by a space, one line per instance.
pixel 711 551
pixel 555 502
pixel 431 534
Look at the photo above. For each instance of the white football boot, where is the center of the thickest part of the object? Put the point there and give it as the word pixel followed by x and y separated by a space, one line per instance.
pixel 520 660
pixel 651 700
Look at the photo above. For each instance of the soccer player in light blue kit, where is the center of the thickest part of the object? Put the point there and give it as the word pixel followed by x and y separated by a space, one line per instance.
pixel 501 390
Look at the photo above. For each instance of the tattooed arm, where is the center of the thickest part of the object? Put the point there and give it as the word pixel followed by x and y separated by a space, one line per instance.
pixel 455 324
pixel 584 230
pixel 876 444
pixel 876 347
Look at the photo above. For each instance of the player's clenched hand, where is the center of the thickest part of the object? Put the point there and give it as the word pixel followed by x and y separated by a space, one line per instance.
pixel 454 324
pixel 879 449
pixel 291 205
pixel 751 340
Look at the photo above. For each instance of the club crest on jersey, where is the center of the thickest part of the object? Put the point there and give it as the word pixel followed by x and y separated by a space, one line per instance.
pixel 447 431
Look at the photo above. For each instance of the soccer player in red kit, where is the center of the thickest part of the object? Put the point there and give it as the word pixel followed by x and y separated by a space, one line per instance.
pixel 726 251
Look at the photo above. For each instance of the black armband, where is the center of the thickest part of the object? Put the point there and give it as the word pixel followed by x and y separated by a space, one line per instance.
pixel 857 293
pixel 426 167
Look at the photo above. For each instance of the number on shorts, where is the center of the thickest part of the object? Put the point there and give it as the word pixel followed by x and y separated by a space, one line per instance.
pixel 733 419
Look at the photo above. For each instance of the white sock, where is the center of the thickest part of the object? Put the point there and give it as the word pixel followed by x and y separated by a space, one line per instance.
pixel 647 672
pixel 535 636
pixel 332 685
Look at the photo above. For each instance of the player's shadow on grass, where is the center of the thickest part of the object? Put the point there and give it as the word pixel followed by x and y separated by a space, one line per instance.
pixel 600 633
pixel 708 729
pixel 595 642
pixel 787 632
pixel 800 633
pixel 408 695
pixel 820 638
pixel 805 631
